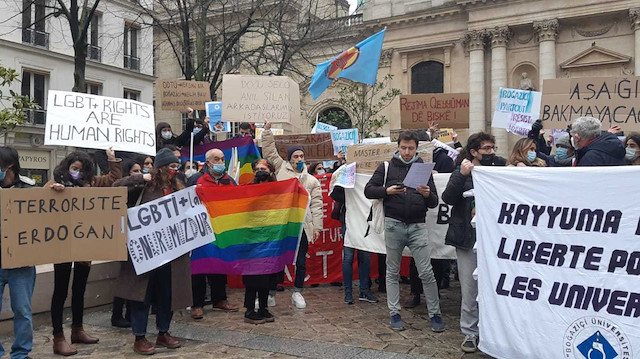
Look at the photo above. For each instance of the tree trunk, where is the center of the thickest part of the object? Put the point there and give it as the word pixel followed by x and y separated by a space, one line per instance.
pixel 80 64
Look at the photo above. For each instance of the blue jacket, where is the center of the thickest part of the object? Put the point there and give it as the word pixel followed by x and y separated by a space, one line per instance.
pixel 605 150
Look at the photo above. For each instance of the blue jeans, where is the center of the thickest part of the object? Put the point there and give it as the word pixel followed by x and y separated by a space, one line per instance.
pixel 398 235
pixel 364 266
pixel 21 282
pixel 158 293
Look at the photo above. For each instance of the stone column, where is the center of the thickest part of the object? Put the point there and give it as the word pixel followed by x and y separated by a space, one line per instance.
pixel 474 42
pixel 499 37
pixel 635 26
pixel 547 32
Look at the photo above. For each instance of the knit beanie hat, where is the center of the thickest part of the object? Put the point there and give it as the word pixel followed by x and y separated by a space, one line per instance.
pixel 165 157
pixel 564 140
pixel 291 150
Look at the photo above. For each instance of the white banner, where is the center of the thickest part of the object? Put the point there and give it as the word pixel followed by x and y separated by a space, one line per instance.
pixel 83 120
pixel 516 110
pixel 163 230
pixel 358 207
pixel 558 262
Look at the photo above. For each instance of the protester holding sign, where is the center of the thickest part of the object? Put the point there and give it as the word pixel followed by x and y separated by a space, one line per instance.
pixel 75 170
pixel 168 286
pixel 214 174
pixel 295 167
pixel 165 136
pixel 593 146
pixel 632 149
pixel 524 154
pixel 21 281
pixel 480 151
pixel 405 209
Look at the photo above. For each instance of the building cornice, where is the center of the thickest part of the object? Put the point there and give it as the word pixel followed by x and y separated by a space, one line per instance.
pixel 90 64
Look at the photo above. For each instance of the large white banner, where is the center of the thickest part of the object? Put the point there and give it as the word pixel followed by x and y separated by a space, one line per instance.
pixel 83 120
pixel 163 230
pixel 558 262
pixel 358 207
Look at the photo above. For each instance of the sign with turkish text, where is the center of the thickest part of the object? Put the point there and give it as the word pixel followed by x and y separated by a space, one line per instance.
pixel 316 146
pixel 420 111
pixel 177 95
pixel 516 110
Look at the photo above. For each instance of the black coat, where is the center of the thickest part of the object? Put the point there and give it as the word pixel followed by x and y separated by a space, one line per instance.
pixel 605 150
pixel 460 233
pixel 444 163
pixel 409 207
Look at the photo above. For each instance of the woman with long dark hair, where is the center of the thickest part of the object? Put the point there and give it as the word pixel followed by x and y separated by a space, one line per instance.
pixel 76 170
pixel 168 286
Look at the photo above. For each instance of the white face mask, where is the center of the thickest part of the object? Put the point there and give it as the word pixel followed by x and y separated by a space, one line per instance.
pixel 190 172
pixel 166 134
pixel 573 143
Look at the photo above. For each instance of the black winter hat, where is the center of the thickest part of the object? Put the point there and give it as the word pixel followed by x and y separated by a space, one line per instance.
pixel 291 150
pixel 165 157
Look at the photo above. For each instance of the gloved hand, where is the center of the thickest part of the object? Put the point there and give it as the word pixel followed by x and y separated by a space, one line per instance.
pixel 535 130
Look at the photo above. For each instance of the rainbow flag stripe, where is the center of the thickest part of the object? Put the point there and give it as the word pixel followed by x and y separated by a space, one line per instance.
pixel 257 228
pixel 246 149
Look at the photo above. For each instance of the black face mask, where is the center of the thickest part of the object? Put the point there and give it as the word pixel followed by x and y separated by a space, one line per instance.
pixel 262 176
pixel 488 160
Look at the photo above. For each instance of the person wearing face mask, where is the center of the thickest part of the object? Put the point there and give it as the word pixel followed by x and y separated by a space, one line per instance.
pixel 168 286
pixel 21 281
pixel 75 170
pixel 316 169
pixel 259 285
pixel 294 167
pixel 479 151
pixel 165 136
pixel 632 155
pixel 564 153
pixel 189 168
pixel 213 174
pixel 405 210
pixel 524 154
pixel 147 164
pixel 201 132
pixel 593 146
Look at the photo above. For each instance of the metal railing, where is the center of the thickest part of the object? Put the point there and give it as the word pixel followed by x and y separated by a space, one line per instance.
pixel 131 62
pixel 94 52
pixel 35 37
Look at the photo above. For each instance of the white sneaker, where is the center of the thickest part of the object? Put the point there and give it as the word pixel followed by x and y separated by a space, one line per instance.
pixel 271 301
pixel 257 306
pixel 298 300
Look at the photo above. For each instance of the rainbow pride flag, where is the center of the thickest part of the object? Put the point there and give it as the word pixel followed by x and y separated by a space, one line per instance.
pixel 242 148
pixel 257 228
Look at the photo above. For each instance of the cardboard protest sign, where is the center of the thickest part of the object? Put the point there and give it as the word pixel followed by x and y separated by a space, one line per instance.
pixel 275 131
pixel 177 95
pixel 41 226
pixel 563 262
pixel 615 101
pixel 516 110
pixel 214 111
pixel 341 139
pixel 450 110
pixel 444 135
pixel 163 230
pixel 252 98
pixel 83 120
pixel 316 146
pixel 369 156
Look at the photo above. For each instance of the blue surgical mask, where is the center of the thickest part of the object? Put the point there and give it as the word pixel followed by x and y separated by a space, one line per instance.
pixel 75 174
pixel 631 155
pixel 218 168
pixel 196 130
pixel 299 166
pixel 531 156
pixel 2 174
pixel 145 171
pixel 562 153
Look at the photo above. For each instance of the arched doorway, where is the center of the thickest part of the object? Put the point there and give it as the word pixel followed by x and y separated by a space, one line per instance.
pixel 427 77
pixel 335 116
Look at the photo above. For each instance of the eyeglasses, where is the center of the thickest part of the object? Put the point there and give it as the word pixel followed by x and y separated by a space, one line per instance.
pixel 489 148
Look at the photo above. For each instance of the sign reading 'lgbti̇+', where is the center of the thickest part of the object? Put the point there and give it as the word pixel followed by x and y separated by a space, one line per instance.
pixel 83 120
pixel 558 267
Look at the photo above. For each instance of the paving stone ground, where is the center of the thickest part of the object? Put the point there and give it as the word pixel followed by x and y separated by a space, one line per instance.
pixel 327 328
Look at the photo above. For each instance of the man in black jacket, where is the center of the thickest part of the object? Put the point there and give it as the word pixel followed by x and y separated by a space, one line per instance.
pixel 405 210
pixel 20 280
pixel 594 147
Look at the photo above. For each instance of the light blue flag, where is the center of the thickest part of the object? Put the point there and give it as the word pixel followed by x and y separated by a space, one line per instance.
pixel 359 63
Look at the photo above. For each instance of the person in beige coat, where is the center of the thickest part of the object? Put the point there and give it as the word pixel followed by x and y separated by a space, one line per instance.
pixel 294 167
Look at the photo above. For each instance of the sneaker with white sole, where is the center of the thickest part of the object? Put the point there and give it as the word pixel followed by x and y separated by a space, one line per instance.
pixel 470 344
pixel 298 300
pixel 271 301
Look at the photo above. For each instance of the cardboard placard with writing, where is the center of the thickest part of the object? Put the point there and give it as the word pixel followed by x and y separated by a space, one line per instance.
pixel 42 226
pixel 615 101
pixel 419 111
pixel 316 146
pixel 368 157
pixel 252 98
pixel 177 95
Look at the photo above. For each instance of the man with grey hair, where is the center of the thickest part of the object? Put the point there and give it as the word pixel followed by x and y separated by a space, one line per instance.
pixel 593 146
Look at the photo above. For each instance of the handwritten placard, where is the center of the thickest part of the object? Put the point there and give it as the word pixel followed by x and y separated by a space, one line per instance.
pixel 341 139
pixel 41 226
pixel 91 121
pixel 177 95
pixel 516 110
pixel 256 98
pixel 316 146
pixel 369 156
pixel 420 111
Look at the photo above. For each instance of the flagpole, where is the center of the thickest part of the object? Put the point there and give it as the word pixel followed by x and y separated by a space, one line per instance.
pixel 191 152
